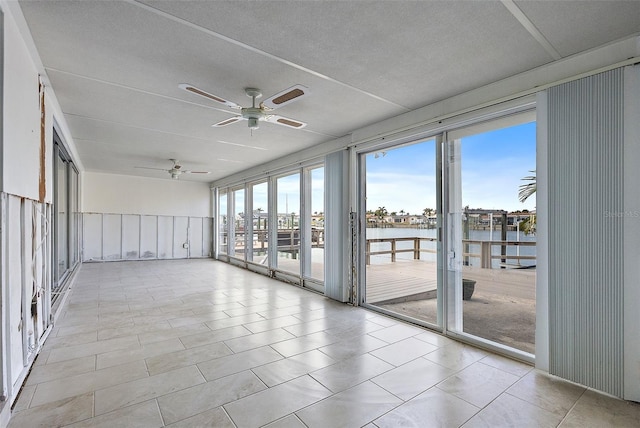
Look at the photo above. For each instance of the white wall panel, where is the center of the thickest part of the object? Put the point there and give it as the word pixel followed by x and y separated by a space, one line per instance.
pixel 109 237
pixel 196 246
pixel 207 237
pixel 91 237
pixel 180 237
pixel 104 193
pixel 112 237
pixel 148 236
pixel 130 237
pixel 21 140
pixel 165 237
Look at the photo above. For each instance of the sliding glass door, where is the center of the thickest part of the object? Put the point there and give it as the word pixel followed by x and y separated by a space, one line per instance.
pixel 401 234
pixel 449 225
pixel 491 231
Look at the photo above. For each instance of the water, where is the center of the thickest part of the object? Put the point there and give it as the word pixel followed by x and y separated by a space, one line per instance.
pixel 478 235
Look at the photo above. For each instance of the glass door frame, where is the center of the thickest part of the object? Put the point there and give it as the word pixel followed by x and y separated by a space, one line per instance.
pixel 449 273
pixel 306 195
pixel 361 224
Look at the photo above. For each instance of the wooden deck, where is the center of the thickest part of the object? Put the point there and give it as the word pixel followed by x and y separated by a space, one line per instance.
pixel 401 280
pixel 416 279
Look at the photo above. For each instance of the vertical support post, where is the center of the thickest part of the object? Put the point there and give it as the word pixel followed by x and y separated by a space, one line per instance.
pixel 393 250
pixel 503 237
pixel 465 236
pixel 368 252
pixel 416 249
pixel 485 254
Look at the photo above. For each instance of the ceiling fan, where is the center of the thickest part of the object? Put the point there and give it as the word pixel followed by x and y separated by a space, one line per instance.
pixel 254 114
pixel 175 171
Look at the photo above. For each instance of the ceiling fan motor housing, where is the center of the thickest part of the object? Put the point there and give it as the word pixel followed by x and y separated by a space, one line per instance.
pixel 253 115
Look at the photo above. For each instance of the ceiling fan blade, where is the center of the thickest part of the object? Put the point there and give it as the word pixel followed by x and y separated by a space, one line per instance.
pixel 197 172
pixel 228 121
pixel 190 88
pixel 285 97
pixel 156 169
pixel 285 121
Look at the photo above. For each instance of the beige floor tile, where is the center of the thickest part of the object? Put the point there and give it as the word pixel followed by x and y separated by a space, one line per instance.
pixel 24 398
pixel 216 418
pixel 434 338
pixel 273 323
pixel 291 421
pixel 233 321
pixel 247 310
pixel 63 369
pixel 337 370
pixel 353 347
pixel 143 415
pixel 93 348
pixel 302 344
pixel 70 340
pixel 413 378
pixel 137 391
pixel 594 410
pixel 547 392
pixel 403 351
pixel 197 319
pixel 111 333
pixel 310 327
pixel 210 337
pixel 353 371
pixel 433 408
pixel 110 359
pixel 478 384
pixel 57 413
pixel 507 364
pixel 90 328
pixel 274 403
pixel 353 407
pixel 87 382
pixel 290 368
pixel 172 333
pixel 257 340
pixel 509 411
pixel 396 333
pixel 186 357
pixel 456 357
pixel 208 396
pixel 231 364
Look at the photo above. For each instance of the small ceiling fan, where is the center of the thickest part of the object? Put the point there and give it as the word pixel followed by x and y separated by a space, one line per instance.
pixel 254 114
pixel 175 171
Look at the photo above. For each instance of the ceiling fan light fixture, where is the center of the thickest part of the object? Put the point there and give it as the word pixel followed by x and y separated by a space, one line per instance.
pixel 253 123
pixel 175 175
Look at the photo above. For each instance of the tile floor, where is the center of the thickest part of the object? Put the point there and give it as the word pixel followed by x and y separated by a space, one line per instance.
pixel 201 343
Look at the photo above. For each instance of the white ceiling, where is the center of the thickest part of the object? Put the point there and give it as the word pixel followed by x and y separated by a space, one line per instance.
pixel 115 67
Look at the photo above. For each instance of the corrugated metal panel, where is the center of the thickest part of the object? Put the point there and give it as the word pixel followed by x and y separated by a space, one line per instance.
pixel 585 131
pixel 336 206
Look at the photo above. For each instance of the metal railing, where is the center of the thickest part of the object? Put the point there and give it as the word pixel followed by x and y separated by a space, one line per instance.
pixel 485 255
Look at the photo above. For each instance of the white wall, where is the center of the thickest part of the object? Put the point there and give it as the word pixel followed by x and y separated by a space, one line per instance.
pixel 21 133
pixel 25 273
pixel 123 194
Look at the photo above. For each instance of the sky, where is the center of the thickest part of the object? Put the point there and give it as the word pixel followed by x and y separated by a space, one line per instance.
pixel 492 164
pixel 403 179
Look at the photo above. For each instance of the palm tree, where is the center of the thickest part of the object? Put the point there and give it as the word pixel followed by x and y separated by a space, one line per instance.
pixel 527 189
pixel 528 225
